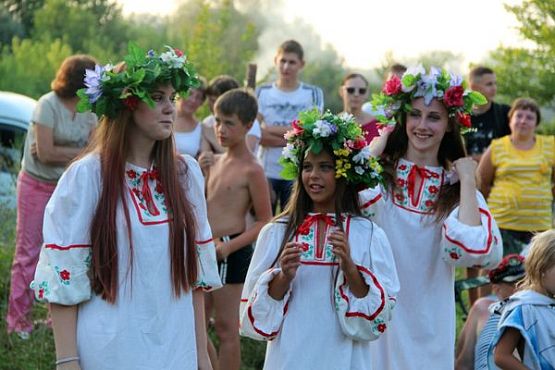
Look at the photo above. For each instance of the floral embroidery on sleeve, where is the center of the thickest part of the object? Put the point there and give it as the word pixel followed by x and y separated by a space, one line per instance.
pixel 64 275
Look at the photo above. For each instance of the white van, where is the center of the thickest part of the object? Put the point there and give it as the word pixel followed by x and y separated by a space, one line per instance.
pixel 16 111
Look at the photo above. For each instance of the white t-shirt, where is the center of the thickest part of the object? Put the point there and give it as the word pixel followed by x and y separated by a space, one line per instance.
pixel 68 129
pixel 188 142
pixel 280 108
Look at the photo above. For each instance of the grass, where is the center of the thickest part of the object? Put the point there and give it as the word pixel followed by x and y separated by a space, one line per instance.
pixel 37 353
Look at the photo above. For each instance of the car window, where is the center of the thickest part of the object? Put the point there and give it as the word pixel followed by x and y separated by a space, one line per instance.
pixel 12 140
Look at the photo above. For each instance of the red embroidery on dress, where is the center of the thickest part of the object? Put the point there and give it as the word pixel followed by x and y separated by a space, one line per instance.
pixel 411 182
pixel 138 209
pixel 470 250
pixel 146 193
pixel 377 284
pixel 65 275
pixel 371 201
pixel 66 247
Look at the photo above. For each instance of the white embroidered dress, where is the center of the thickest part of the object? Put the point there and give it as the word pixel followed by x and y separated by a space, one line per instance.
pixel 147 327
pixel 313 326
pixel 422 335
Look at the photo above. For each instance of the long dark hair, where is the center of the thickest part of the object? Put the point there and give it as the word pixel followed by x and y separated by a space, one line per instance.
pixel 450 149
pixel 300 204
pixel 111 142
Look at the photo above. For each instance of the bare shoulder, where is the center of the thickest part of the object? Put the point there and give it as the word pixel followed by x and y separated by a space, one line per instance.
pixel 254 168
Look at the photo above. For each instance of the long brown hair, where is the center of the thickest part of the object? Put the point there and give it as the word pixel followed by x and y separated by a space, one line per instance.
pixel 450 149
pixel 300 204
pixel 69 77
pixel 111 143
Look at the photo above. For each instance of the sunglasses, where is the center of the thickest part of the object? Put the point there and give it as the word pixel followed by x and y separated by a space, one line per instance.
pixel 351 90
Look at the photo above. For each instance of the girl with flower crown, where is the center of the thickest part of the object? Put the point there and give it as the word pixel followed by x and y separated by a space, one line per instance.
pixel 127 243
pixel 321 273
pixel 430 210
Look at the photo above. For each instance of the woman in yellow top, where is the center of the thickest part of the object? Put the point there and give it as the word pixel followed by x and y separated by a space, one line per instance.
pixel 517 173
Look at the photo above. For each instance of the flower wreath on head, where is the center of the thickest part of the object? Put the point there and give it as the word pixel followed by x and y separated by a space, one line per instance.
pixel 107 92
pixel 343 135
pixel 440 84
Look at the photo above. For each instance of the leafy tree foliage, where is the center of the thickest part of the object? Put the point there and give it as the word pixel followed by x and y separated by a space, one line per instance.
pixel 530 71
pixel 218 38
pixel 23 12
pixel 29 66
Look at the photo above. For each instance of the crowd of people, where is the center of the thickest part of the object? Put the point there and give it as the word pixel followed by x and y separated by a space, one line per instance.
pixel 332 236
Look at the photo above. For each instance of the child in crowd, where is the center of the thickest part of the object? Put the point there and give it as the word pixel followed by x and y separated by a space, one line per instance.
pixel 279 104
pixel 210 144
pixel 322 282
pixel 127 245
pixel 235 183
pixel 527 319
pixel 431 211
pixel 481 325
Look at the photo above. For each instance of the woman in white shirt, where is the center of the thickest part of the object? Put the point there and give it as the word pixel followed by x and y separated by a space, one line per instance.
pixel 187 128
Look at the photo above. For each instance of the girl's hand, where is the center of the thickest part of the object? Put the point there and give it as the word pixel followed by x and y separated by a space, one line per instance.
pixel 290 259
pixel 377 145
pixel 342 250
pixel 466 169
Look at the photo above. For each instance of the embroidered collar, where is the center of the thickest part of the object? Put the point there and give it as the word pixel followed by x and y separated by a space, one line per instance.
pixel 139 178
pixel 328 219
pixel 419 199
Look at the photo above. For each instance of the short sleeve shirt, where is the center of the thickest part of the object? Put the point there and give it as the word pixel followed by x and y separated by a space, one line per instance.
pixel 280 108
pixel 68 129
pixel 490 125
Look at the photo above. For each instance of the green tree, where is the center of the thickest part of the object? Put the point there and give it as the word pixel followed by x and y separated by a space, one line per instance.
pixel 82 25
pixel 23 12
pixel 9 28
pixel 529 71
pixel 151 31
pixel 326 71
pixel 217 37
pixel 28 66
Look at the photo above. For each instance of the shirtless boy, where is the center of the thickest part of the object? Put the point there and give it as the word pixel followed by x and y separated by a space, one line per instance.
pixel 235 183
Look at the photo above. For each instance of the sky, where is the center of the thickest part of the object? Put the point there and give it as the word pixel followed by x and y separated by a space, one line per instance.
pixel 363 31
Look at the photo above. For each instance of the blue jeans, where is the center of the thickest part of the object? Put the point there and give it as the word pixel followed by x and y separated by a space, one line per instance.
pixel 282 188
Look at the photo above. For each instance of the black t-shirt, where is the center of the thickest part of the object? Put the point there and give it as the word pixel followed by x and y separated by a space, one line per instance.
pixel 489 125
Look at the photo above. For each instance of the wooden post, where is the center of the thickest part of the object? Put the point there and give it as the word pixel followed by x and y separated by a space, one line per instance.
pixel 251 75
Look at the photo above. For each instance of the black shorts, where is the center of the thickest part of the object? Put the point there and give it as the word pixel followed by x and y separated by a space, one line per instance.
pixel 233 270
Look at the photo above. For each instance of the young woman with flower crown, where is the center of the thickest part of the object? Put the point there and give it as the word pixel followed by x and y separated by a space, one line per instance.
pixel 126 237
pixel 322 282
pixel 430 210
